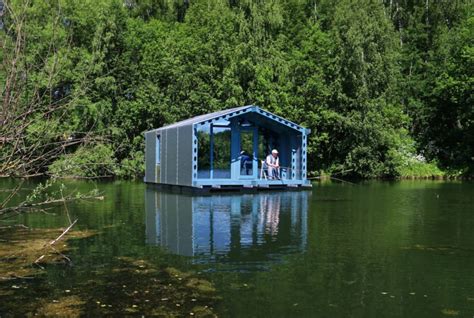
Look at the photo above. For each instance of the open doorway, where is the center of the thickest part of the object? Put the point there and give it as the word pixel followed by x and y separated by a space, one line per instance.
pixel 246 152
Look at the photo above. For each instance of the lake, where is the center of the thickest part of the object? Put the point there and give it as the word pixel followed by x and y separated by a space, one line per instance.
pixel 371 249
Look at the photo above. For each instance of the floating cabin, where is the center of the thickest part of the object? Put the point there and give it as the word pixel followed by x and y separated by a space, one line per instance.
pixel 226 150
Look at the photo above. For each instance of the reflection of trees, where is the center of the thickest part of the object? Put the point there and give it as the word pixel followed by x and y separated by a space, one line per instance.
pixel 222 148
pixel 222 140
pixel 204 150
pixel 269 214
pixel 267 140
pixel 246 142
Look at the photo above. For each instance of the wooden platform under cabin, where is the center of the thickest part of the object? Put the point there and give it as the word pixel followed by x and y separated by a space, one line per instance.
pixel 265 185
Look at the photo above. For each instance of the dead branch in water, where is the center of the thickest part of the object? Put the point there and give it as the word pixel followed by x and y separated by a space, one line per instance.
pixel 47 202
pixel 24 252
pixel 40 198
pixel 14 226
pixel 11 195
pixel 50 244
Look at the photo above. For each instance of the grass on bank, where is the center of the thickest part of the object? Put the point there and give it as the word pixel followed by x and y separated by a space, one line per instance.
pixel 422 170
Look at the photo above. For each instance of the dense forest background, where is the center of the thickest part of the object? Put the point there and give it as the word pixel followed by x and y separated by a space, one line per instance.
pixel 386 86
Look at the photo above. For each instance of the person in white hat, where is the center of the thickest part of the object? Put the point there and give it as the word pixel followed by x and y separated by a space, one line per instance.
pixel 273 165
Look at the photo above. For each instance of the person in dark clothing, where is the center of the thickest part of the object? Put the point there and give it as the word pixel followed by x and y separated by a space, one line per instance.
pixel 245 162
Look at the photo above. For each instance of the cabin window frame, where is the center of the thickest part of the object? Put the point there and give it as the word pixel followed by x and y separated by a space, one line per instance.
pixel 158 149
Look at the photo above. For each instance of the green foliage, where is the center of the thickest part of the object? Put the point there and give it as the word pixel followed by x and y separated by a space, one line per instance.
pixel 132 167
pixel 420 170
pixel 41 192
pixel 90 161
pixel 436 38
pixel 405 163
pixel 449 114
pixel 378 82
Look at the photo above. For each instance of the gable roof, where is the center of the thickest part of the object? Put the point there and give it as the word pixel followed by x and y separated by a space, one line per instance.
pixel 232 112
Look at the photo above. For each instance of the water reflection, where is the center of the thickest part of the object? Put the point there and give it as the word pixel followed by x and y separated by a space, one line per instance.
pixel 228 228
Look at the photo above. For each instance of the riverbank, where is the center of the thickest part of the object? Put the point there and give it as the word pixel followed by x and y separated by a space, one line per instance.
pixel 413 171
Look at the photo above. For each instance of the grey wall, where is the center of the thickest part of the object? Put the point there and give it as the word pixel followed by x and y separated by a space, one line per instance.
pixel 176 156
pixel 150 154
pixel 185 160
pixel 163 151
pixel 170 156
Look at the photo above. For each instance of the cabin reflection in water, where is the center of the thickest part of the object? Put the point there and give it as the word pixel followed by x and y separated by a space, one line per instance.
pixel 250 227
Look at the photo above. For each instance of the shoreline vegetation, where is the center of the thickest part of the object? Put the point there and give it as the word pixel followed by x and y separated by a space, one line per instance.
pixel 409 170
pixel 384 86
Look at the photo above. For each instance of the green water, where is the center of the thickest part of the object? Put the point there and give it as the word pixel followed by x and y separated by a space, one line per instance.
pixel 375 249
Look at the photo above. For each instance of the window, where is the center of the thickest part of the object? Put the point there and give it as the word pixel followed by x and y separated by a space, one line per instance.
pixel 213 152
pixel 221 137
pixel 204 151
pixel 246 152
pixel 158 145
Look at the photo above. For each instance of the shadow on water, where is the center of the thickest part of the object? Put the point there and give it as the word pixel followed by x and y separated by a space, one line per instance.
pixel 250 231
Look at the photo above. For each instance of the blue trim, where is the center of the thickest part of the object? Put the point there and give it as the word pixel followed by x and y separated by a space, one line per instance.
pixel 195 154
pixel 294 145
pixel 304 156
pixel 211 155
pixel 250 182
pixel 254 109
pixel 279 119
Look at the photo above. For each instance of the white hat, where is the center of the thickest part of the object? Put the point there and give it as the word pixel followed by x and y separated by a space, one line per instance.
pixel 274 151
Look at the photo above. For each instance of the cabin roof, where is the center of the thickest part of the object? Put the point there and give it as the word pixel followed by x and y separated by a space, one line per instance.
pixel 231 112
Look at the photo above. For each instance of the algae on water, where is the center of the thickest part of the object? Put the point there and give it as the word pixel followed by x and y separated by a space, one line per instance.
pixel 21 247
pixel 124 286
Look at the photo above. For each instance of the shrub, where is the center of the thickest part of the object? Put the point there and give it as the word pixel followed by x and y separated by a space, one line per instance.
pixel 133 167
pixel 90 161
